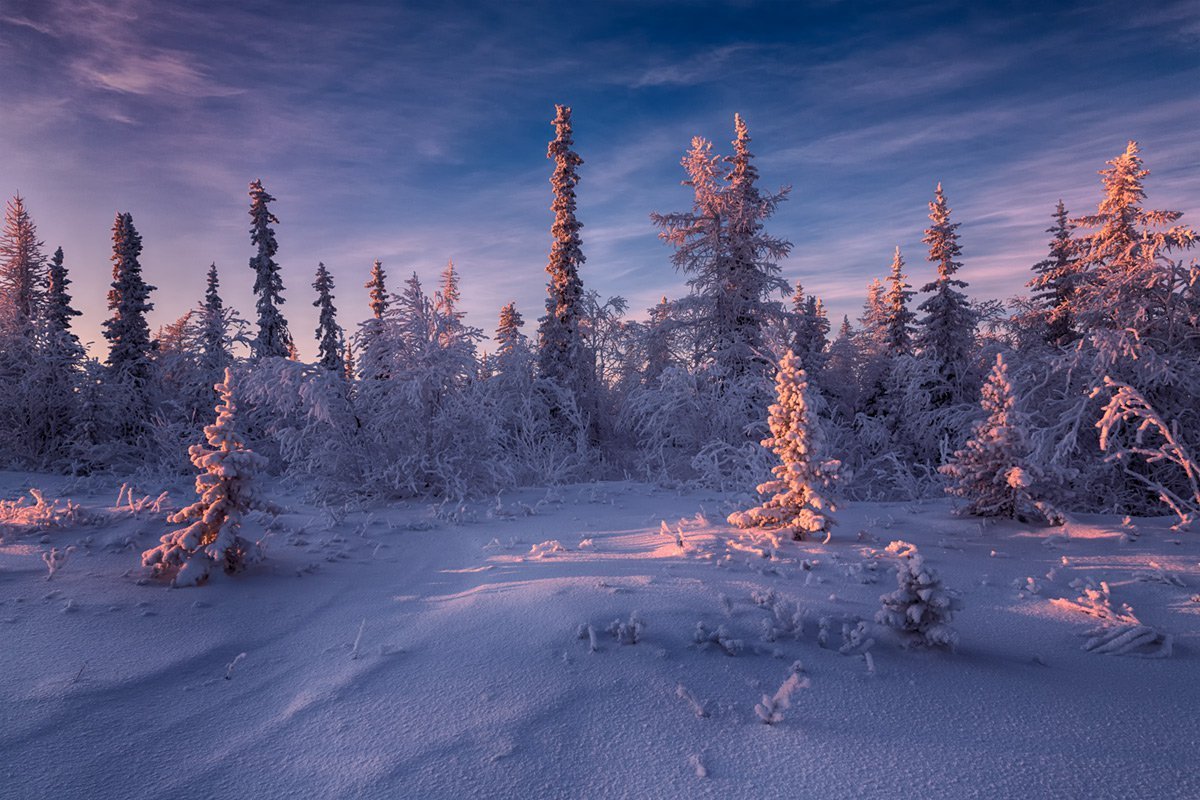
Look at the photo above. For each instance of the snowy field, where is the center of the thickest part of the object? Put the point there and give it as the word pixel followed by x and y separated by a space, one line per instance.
pixel 406 651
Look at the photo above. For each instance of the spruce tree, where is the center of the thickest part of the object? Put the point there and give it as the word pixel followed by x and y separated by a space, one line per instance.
pixel 562 355
pixel 809 335
pixel 513 354
pixel 215 353
pixel 993 471
pixel 58 311
pixel 898 317
pixel 1056 281
pixel 378 289
pixel 330 338
pixel 801 494
pixel 273 338
pixel 228 489
pixel 22 268
pixel 752 268
pixel 1128 281
pixel 657 343
pixel 947 331
pixel 127 330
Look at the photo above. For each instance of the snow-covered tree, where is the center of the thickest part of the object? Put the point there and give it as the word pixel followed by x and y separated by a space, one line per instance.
pixel 228 487
pixel 513 353
pixel 58 310
pixel 377 284
pixel 562 355
pixel 839 378
pixel 898 317
pixel 801 495
pixel 273 338
pixel 22 272
pixel 656 342
pixel 994 470
pixel 732 261
pixel 921 608
pixel 809 325
pixel 947 331
pixel 127 331
pixel 1130 281
pixel 215 321
pixel 1056 281
pixel 330 338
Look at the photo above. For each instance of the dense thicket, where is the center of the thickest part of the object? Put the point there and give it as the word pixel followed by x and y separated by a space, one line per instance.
pixel 1089 402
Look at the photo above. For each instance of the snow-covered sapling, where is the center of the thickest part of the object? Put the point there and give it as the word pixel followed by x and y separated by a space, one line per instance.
pixel 54 559
pixel 228 489
pixel 627 632
pixel 801 495
pixel 770 709
pixel 921 607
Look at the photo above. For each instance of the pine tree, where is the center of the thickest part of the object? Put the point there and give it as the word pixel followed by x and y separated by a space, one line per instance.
pixel 562 355
pixel 1056 281
pixel 993 470
pixel 898 318
pixel 947 332
pixel 273 338
pixel 127 330
pixel 22 268
pixel 801 498
pixel 839 378
pixel 378 293
pixel 330 338
pixel 228 489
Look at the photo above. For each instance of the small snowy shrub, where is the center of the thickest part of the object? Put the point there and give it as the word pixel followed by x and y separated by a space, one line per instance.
pixel 801 494
pixel 228 490
pixel 771 709
pixel 921 607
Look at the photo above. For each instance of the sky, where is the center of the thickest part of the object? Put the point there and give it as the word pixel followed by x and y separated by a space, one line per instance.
pixel 416 133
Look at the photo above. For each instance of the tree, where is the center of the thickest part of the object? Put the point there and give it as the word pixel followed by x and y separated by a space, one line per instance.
pixel 228 489
pixel 273 338
pixel 947 332
pixel 562 355
pixel 1056 282
pixel 801 498
pixel 58 310
pixel 898 318
pixel 1129 281
pixel 513 354
pixel 127 330
pixel 732 261
pixel 809 331
pixel 215 352
pixel 378 289
pixel 993 471
pixel 921 608
pixel 330 338
pixel 22 272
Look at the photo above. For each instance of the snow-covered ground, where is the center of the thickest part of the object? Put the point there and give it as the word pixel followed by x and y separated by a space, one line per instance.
pixel 394 652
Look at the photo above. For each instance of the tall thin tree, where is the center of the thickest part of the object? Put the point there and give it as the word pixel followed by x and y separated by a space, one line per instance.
pixel 274 339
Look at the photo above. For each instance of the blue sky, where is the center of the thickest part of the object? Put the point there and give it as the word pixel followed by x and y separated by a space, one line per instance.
pixel 416 133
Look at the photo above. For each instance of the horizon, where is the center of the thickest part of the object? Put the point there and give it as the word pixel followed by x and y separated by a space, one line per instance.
pixel 166 119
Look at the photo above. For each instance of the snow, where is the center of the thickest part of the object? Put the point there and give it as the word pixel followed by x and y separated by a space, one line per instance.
pixel 398 651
